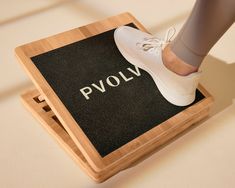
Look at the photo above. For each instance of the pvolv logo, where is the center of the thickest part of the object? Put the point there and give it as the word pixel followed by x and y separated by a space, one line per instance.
pixel 110 81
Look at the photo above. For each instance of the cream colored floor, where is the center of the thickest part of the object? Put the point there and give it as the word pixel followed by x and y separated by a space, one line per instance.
pixel 204 157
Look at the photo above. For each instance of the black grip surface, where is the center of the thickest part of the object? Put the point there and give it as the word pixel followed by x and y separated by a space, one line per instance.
pixel 119 104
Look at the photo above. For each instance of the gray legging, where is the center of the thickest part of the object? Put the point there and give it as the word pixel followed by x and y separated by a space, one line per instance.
pixel 208 21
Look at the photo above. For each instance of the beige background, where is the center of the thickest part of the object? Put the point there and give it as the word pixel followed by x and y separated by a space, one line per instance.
pixel 29 157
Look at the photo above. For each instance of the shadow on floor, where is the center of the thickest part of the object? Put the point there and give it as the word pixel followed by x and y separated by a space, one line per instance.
pixel 15 90
pixel 88 11
pixel 218 78
pixel 34 11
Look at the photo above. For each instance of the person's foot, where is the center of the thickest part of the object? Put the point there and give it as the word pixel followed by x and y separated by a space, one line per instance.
pixel 145 51
pixel 175 64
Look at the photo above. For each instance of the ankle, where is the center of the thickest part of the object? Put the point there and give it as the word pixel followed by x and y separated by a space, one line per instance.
pixel 175 64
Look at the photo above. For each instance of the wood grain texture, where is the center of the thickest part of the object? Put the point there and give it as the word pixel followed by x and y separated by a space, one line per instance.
pixel 73 139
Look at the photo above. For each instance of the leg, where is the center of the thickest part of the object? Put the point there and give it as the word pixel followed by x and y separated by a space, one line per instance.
pixel 174 69
pixel 208 21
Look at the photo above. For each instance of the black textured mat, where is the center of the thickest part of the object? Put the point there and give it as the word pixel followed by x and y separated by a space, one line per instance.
pixel 119 108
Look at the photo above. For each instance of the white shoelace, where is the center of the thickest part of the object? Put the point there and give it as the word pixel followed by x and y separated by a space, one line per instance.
pixel 155 44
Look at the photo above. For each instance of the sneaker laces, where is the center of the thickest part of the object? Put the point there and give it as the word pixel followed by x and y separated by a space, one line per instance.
pixel 156 44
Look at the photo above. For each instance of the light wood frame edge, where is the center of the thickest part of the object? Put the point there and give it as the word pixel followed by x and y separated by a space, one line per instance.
pixel 90 153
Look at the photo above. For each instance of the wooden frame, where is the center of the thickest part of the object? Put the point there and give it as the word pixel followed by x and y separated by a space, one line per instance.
pixel 97 167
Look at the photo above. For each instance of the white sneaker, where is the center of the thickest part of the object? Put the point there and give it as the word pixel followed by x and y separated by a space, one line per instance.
pixel 145 51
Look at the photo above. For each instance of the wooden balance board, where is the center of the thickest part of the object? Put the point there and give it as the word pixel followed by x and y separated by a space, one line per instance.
pixel 107 113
